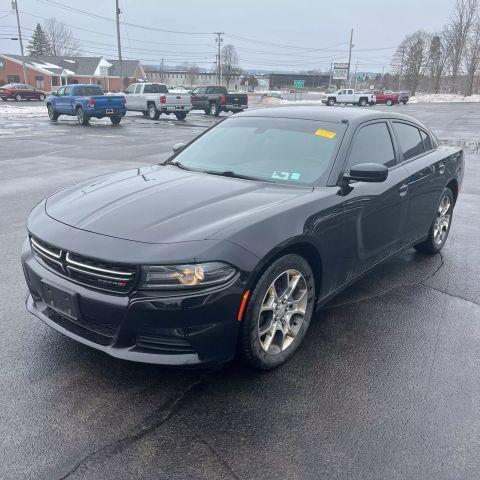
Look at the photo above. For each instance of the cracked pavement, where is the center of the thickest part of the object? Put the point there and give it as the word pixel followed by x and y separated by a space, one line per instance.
pixel 385 386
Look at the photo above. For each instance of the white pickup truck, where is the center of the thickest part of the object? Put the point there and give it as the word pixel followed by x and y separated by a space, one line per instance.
pixel 348 95
pixel 153 99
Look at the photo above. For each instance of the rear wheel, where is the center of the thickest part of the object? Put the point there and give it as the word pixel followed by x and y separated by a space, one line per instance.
pixel 41 97
pixel 438 234
pixel 404 102
pixel 278 313
pixel 214 110
pixel 116 119
pixel 331 102
pixel 51 114
pixel 82 119
pixel 389 102
pixel 18 98
pixel 153 113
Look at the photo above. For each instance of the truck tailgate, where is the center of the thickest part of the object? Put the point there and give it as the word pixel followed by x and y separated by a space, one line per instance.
pixel 177 99
pixel 108 101
pixel 236 99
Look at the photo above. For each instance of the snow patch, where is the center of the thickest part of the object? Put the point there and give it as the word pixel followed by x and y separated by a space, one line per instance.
pixel 442 97
pixel 16 111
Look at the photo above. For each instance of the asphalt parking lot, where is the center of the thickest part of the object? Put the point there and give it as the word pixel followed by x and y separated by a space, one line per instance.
pixel 385 386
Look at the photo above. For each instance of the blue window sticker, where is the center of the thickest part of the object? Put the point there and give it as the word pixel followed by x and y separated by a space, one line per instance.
pixel 295 176
pixel 281 175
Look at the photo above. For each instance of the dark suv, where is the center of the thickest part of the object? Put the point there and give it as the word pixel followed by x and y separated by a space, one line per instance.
pixel 21 91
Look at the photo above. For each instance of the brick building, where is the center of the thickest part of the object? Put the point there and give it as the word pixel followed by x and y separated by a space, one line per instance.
pixel 48 73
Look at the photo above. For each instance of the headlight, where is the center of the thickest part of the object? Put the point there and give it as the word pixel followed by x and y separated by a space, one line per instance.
pixel 186 276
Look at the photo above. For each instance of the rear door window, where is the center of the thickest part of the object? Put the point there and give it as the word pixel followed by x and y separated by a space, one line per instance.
pixel 372 144
pixel 409 139
pixel 427 141
pixel 138 88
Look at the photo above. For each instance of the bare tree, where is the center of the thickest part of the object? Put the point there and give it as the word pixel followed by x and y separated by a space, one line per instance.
pixel 472 55
pixel 229 59
pixel 60 38
pixel 411 58
pixel 457 35
pixel 439 54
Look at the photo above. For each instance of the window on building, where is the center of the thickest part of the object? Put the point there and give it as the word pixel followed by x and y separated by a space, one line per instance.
pixel 39 83
pixel 13 78
pixel 55 82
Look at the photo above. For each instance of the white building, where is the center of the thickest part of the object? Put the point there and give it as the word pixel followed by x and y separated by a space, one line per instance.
pixel 186 79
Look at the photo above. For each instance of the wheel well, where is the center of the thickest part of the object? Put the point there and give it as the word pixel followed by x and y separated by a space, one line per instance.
pixel 453 186
pixel 149 103
pixel 303 249
pixel 363 98
pixel 77 107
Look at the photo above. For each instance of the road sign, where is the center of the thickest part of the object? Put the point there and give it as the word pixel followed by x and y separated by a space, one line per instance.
pixel 340 71
pixel 299 83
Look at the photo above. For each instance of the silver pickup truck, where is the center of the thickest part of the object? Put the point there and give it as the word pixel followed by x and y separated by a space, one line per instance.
pixel 153 99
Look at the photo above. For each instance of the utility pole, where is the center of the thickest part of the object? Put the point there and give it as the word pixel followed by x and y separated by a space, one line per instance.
pixel 162 69
pixel 219 41
pixel 15 4
pixel 331 75
pixel 119 45
pixel 350 55
pixel 355 75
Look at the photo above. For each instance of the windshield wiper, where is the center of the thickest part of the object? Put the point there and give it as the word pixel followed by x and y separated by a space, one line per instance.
pixel 176 164
pixel 232 174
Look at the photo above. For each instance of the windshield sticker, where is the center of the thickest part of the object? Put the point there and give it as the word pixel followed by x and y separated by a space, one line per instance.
pixel 325 133
pixel 295 176
pixel 281 175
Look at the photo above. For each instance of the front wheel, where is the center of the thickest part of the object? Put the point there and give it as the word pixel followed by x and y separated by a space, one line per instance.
pixel 82 119
pixel 389 102
pixel 51 114
pixel 181 115
pixel 207 111
pixel 438 233
pixel 18 98
pixel 41 97
pixel 116 119
pixel 331 102
pixel 278 313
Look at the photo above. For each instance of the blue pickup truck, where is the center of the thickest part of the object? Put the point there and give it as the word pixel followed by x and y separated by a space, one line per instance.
pixel 85 102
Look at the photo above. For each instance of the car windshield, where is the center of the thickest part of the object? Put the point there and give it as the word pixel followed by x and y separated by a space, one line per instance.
pixel 275 149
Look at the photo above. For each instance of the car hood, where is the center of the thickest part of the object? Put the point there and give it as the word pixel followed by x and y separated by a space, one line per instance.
pixel 163 204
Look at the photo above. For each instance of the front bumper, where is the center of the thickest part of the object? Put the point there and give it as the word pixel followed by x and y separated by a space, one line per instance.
pixel 176 328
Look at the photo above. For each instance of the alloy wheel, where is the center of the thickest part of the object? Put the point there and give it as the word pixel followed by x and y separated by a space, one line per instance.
pixel 282 311
pixel 442 221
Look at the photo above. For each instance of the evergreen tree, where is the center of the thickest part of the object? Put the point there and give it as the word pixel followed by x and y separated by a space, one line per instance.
pixel 39 44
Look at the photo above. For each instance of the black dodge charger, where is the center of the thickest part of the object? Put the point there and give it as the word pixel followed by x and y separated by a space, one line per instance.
pixel 230 245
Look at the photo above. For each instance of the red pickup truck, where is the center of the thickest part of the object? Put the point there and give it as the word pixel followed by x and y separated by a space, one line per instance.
pixel 389 98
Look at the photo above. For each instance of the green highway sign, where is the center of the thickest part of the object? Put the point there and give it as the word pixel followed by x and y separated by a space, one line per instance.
pixel 299 83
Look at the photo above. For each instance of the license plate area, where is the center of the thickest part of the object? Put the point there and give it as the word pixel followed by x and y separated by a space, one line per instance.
pixel 61 300
pixel 109 110
pixel 178 107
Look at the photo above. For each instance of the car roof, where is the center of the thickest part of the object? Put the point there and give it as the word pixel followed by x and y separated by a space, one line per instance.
pixel 351 115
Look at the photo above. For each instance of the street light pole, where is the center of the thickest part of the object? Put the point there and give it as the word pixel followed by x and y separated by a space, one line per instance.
pixel 119 44
pixel 15 4
pixel 350 56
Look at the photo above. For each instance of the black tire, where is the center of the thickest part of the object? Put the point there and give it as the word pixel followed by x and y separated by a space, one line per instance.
pixel 430 246
pixel 4 99
pixel 145 113
pixel 51 114
pixel 18 98
pixel 363 102
pixel 181 115
pixel 371 104
pixel 207 111
pixel 331 102
pixel 214 110
pixel 404 102
pixel 116 119
pixel 82 119
pixel 153 113
pixel 389 102
pixel 250 347
pixel 41 97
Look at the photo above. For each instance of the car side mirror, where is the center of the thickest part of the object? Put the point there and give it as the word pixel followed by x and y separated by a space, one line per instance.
pixel 177 147
pixel 367 172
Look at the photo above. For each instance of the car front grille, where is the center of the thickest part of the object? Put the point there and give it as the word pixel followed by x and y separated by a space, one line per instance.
pixel 164 345
pixel 88 271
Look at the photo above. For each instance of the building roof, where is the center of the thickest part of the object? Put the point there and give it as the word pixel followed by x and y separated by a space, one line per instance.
pixel 81 66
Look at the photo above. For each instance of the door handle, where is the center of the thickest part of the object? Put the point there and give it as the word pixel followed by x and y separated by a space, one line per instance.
pixel 441 169
pixel 403 189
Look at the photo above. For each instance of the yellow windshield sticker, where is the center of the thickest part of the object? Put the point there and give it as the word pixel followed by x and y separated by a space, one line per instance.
pixel 325 133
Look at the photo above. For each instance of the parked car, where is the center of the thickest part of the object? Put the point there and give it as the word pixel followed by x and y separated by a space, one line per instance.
pixel 213 99
pixel 389 98
pixel 349 96
pixel 231 244
pixel 153 99
pixel 21 91
pixel 84 102
pixel 403 97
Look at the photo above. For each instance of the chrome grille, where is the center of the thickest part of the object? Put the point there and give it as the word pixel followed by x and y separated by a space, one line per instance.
pixel 95 273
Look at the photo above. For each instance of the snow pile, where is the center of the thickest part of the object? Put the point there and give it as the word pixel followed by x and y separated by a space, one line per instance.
pixel 442 97
pixel 17 110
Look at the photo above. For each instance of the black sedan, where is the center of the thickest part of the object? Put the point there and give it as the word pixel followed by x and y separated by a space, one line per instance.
pixel 229 246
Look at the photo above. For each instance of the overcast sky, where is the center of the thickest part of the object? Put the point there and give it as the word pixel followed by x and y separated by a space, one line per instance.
pixel 264 32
